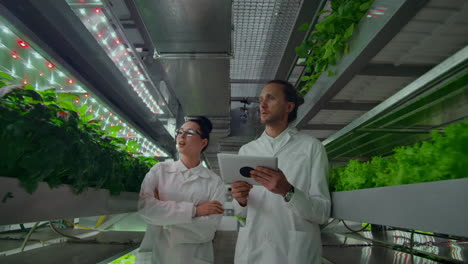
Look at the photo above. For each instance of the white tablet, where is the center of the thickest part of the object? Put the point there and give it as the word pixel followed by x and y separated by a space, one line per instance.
pixel 237 168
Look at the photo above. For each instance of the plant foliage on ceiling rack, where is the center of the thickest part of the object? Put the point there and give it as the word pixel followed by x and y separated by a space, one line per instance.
pixel 46 138
pixel 329 39
pixel 444 157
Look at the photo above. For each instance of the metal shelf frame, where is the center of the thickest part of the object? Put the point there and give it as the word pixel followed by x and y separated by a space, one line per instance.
pixel 438 207
pixel 433 101
pixel 371 35
pixel 59 203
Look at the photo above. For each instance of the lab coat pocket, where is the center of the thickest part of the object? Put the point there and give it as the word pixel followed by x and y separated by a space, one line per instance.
pixel 242 246
pixel 300 247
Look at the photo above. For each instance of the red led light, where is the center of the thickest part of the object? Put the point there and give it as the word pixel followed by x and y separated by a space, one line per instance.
pixel 86 95
pixel 14 55
pixel 50 65
pixel 97 10
pixel 23 44
pixel 117 41
pixel 111 114
pixel 25 81
pixel 126 53
pixel 70 81
pixel 41 74
pixel 99 35
pixel 77 101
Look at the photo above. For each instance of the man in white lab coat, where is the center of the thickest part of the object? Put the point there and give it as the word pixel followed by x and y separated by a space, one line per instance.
pixel 283 212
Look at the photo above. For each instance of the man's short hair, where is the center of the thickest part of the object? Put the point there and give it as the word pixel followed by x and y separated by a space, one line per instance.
pixel 291 95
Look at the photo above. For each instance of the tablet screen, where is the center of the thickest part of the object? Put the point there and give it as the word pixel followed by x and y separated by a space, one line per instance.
pixel 237 168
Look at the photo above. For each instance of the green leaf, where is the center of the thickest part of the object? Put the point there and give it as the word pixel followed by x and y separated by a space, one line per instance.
pixel 301 51
pixel 324 11
pixel 6 76
pixel 303 27
pixel 82 110
pixel 365 6
pixel 67 96
pixel 28 87
pixel 328 53
pixel 305 78
pixel 346 49
pixel 68 105
pixel 114 129
pixel 349 32
pixel 330 73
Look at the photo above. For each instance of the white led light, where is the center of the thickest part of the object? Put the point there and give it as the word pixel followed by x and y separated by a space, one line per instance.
pixel 103 19
pixel 29 65
pixel 6 30
pixel 60 74
pixel 82 11
pixel 36 55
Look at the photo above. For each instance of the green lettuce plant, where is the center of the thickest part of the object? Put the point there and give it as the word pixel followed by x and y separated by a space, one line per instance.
pixel 443 157
pixel 46 138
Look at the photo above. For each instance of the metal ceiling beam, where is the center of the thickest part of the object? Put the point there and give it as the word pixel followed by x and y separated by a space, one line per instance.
pixel 396 71
pixel 349 106
pixel 323 127
pixel 136 17
pixel 449 67
pixel 373 35
pixel 308 14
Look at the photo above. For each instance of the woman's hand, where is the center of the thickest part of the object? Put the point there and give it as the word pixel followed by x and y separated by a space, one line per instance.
pixel 209 208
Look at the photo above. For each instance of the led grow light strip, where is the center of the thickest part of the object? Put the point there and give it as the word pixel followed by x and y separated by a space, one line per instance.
pixel 19 59
pixel 113 43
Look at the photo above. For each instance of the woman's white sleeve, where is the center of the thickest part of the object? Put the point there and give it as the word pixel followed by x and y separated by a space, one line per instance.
pixel 313 202
pixel 202 229
pixel 157 212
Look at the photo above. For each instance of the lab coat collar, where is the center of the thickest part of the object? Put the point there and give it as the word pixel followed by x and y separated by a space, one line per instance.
pixel 198 170
pixel 276 144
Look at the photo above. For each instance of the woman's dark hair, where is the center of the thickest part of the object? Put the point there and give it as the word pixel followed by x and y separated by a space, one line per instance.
pixel 205 127
pixel 291 95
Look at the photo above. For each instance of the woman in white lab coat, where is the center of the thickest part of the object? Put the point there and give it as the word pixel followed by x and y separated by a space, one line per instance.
pixel 181 202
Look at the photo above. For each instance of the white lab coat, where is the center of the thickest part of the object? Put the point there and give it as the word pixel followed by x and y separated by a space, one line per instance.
pixel 277 231
pixel 172 235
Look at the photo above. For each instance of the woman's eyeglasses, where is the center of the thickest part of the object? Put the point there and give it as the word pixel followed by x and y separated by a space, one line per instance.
pixel 190 132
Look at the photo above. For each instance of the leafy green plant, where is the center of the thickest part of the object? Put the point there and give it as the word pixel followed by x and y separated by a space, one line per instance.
pixel 330 38
pixel 444 157
pixel 125 259
pixel 45 137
